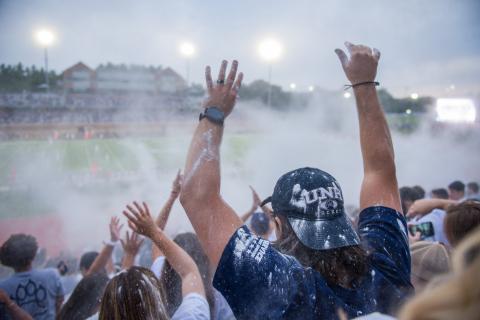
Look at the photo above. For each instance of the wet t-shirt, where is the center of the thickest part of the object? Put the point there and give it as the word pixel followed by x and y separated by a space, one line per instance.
pixel 259 282
pixel 35 291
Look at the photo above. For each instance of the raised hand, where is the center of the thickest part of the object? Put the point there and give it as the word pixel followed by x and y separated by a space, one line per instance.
pixel 131 244
pixel 362 65
pixel 256 201
pixel 223 94
pixel 177 183
pixel 115 228
pixel 140 219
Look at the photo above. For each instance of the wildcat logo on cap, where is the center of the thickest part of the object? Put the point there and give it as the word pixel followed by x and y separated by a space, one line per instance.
pixel 328 201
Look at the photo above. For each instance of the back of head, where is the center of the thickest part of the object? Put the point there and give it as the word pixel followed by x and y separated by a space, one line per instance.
pixel 459 296
pixel 472 188
pixel 171 281
pixel 440 193
pixel 260 223
pixel 460 220
pixel 133 295
pixel 87 259
pixel 419 192
pixel 429 260
pixel 407 197
pixel 85 298
pixel 314 226
pixel 456 190
pixel 18 251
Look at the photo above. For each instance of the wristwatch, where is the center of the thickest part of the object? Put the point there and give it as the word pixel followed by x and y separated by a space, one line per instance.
pixel 213 114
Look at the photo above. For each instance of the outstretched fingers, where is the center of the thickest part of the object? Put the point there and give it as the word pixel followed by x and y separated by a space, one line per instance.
pixel 376 53
pixel 342 56
pixel 232 74
pixel 222 72
pixel 238 84
pixel 208 78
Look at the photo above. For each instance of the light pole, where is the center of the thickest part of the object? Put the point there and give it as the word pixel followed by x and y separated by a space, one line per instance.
pixel 187 50
pixel 45 38
pixel 270 50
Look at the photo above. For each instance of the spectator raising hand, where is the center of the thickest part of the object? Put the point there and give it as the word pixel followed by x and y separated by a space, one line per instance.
pixel 115 228
pixel 101 260
pixel 141 221
pixel 131 245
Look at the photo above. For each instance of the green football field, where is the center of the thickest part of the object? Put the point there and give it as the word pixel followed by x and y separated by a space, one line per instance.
pixel 26 165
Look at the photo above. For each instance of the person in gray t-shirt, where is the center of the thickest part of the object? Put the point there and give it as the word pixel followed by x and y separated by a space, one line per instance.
pixel 38 291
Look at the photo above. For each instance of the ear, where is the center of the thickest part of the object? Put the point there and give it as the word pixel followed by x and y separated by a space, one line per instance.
pixel 278 227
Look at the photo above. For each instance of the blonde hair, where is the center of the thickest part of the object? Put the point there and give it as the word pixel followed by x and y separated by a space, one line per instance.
pixel 459 296
pixel 135 294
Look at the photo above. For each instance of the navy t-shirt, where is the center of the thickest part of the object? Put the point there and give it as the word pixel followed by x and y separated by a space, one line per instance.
pixel 260 282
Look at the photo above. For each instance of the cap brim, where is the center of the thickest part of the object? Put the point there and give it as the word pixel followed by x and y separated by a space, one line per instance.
pixel 325 234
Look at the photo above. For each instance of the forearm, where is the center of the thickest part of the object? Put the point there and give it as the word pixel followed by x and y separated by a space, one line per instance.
pixel 375 139
pixel 180 261
pixel 128 261
pixel 162 217
pixel 200 195
pixel 248 214
pixel 16 312
pixel 202 170
pixel 101 260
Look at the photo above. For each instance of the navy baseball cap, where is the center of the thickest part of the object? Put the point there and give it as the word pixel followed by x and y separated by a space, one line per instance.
pixel 312 201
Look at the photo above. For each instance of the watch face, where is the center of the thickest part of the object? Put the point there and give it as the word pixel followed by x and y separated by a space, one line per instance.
pixel 215 114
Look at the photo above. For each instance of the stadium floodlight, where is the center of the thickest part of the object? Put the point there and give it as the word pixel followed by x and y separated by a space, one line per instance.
pixel 44 37
pixel 293 86
pixel 311 88
pixel 414 96
pixel 408 111
pixel 455 110
pixel 187 50
pixel 270 50
pixel 347 95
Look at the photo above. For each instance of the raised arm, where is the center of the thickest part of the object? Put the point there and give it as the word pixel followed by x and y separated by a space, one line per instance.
pixel 162 218
pixel 379 186
pixel 423 206
pixel 255 204
pixel 140 221
pixel 212 218
pixel 131 245
pixel 102 259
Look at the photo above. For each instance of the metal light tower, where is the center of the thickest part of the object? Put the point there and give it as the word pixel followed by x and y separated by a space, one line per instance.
pixel 45 38
pixel 270 51
pixel 187 50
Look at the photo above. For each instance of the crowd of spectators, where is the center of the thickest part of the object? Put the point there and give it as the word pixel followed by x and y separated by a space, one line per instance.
pixel 295 255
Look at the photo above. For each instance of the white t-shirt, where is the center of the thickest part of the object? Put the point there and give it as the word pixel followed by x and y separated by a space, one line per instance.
pixel 157 266
pixel 193 307
pixel 436 217
pixel 222 310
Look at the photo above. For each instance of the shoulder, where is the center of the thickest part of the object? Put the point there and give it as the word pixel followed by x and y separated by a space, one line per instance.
pixel 382 215
pixel 193 306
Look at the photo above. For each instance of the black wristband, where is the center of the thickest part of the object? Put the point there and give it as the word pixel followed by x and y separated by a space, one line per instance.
pixel 348 86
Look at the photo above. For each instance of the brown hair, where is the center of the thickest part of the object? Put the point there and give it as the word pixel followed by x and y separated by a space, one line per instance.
pixel 461 219
pixel 171 281
pixel 85 298
pixel 340 266
pixel 459 296
pixel 133 295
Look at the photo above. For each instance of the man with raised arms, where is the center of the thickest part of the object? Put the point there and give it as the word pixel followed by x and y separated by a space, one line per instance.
pixel 319 265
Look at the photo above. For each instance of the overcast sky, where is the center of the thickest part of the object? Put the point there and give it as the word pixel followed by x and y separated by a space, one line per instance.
pixel 425 45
